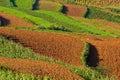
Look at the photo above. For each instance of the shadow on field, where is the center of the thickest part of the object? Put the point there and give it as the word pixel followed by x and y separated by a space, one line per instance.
pixel 13 3
pixel 93 57
pixel 35 6
pixel 4 22
pixel 64 10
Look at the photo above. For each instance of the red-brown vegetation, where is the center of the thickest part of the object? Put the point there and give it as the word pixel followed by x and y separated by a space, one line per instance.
pixel 74 10
pixel 11 20
pixel 60 47
pixel 39 68
pixel 104 52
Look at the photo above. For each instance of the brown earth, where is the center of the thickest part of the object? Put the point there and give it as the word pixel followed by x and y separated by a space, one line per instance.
pixel 104 52
pixel 39 68
pixel 57 46
pixel 74 10
pixel 11 20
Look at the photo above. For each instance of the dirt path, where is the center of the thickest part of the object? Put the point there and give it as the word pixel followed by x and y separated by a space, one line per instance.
pixel 59 47
pixel 11 20
pixel 104 52
pixel 39 68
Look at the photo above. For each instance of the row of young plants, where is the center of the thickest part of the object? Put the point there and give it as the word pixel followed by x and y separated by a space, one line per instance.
pixel 114 9
pixel 12 50
pixel 7 74
pixel 97 13
pixel 28 4
pixel 60 19
pixel 91 2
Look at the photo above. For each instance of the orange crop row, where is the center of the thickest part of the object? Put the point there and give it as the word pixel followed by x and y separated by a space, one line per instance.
pixel 39 68
pixel 74 10
pixel 59 47
pixel 104 52
pixel 11 20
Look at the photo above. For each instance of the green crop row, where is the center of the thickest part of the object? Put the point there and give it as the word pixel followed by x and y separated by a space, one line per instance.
pixel 96 13
pixel 7 74
pixel 49 19
pixel 59 19
pixel 28 4
pixel 91 2
pixel 113 9
pixel 50 6
pixel 85 54
pixel 12 50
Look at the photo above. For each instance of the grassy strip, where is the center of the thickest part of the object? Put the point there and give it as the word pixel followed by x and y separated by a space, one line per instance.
pixel 96 13
pixel 5 3
pixel 85 53
pixel 30 18
pixel 61 20
pixel 27 4
pixel 114 29
pixel 13 50
pixel 114 9
pixel 51 6
pixel 7 74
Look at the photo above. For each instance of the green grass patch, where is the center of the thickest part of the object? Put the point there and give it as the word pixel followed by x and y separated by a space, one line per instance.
pixel 59 19
pixel 85 53
pixel 48 18
pixel 5 3
pixel 27 4
pixel 114 9
pixel 7 74
pixel 96 13
pixel 50 6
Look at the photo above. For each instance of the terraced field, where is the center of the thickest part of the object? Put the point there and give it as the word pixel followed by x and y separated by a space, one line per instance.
pixel 50 45
pixel 56 40
pixel 106 53
pixel 73 10
pixel 39 68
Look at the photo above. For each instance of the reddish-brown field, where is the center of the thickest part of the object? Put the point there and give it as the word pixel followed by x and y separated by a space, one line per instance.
pixel 74 10
pixel 104 52
pixel 39 68
pixel 57 46
pixel 11 20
